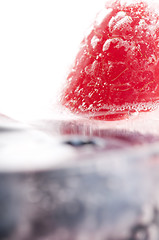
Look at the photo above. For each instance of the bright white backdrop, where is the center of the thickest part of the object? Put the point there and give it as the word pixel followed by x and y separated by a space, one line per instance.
pixel 38 42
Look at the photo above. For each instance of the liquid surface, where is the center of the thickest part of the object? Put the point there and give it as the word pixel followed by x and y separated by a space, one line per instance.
pixel 116 71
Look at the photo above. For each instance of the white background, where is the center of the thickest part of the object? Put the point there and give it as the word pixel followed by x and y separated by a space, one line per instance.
pixel 38 42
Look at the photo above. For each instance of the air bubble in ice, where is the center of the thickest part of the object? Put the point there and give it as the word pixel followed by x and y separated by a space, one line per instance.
pixel 119 43
pixel 94 41
pixel 107 44
pixel 131 109
pixel 133 113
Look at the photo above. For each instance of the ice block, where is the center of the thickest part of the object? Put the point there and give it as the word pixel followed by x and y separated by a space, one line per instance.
pixel 115 72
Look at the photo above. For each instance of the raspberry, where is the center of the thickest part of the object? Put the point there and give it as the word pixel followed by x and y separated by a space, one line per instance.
pixel 116 70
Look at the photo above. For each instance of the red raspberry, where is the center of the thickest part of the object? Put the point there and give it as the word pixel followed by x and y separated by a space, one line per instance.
pixel 116 70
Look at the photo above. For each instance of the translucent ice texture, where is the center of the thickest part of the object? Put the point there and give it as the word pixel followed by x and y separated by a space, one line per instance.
pixel 116 70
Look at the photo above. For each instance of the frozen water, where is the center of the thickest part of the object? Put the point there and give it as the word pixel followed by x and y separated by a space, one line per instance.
pixel 118 41
pixel 102 15
pixel 107 44
pixel 94 41
pixel 120 21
